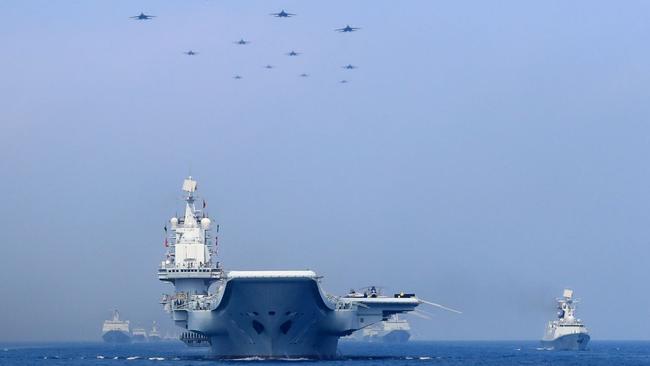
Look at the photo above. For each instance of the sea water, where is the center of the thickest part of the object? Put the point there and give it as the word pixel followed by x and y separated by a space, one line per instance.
pixel 414 353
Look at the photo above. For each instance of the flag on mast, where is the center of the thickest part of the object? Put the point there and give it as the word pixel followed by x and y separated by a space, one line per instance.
pixel 166 243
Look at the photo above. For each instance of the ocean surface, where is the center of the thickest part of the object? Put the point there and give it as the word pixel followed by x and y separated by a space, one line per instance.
pixel 351 354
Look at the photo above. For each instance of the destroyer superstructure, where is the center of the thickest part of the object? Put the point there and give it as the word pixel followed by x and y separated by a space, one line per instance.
pixel 258 313
pixel 392 330
pixel 115 330
pixel 567 332
pixel 154 334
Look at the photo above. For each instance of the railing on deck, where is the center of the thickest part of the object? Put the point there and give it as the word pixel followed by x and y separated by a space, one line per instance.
pixel 183 301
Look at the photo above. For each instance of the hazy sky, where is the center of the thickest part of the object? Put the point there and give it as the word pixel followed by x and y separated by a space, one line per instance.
pixel 484 155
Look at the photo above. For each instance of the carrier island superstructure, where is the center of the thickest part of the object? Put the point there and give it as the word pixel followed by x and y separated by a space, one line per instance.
pixel 258 313
pixel 567 332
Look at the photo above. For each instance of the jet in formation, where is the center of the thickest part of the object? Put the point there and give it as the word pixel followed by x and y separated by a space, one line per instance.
pixel 143 16
pixel 346 29
pixel 282 14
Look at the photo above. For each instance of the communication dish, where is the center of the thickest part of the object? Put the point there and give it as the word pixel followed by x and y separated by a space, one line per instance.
pixel 568 293
pixel 189 185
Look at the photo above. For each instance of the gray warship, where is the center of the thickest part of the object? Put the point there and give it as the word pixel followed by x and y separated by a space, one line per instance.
pixel 139 335
pixel 270 314
pixel 392 330
pixel 567 332
pixel 154 334
pixel 115 330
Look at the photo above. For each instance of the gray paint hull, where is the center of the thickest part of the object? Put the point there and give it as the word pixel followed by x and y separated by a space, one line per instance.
pixel 276 318
pixel 572 342
pixel 396 336
pixel 271 318
pixel 393 336
pixel 116 336
pixel 138 338
pixel 279 314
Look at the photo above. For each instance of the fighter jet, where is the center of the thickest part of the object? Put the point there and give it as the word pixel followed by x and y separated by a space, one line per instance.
pixel 303 75
pixel 293 53
pixel 268 67
pixel 343 81
pixel 242 42
pixel 143 16
pixel 236 77
pixel 349 67
pixel 191 53
pixel 282 14
pixel 346 29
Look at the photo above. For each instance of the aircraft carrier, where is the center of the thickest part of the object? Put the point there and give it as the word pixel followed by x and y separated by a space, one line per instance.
pixel 270 314
pixel 567 332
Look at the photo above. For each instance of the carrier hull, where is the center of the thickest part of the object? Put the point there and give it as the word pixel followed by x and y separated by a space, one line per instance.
pixel 569 342
pixel 278 317
pixel 271 318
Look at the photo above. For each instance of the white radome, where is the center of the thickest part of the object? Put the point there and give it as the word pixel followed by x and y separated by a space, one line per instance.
pixel 205 223
pixel 174 222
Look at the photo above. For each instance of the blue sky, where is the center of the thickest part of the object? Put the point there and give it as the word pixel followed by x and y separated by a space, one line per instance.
pixel 483 155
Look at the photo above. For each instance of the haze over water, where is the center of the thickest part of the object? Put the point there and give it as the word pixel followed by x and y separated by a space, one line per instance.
pixel 483 156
